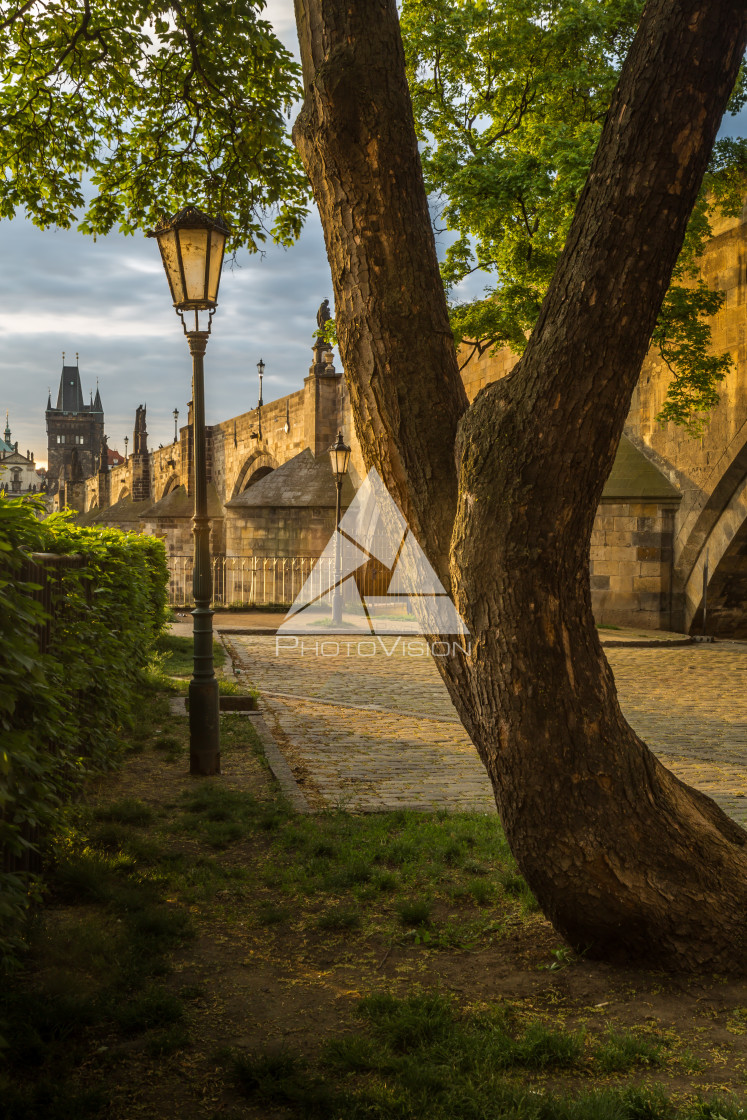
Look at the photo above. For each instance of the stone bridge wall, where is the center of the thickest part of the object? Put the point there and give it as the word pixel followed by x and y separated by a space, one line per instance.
pixel 656 581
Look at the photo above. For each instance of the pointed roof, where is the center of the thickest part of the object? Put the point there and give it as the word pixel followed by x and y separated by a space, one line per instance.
pixel 6 447
pixel 97 405
pixel 301 481
pixel 635 476
pixel 70 395
pixel 177 503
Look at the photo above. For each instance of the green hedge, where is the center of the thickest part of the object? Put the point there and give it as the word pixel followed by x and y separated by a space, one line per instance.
pixel 61 711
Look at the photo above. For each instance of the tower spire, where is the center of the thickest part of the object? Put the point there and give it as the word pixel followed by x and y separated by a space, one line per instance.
pixel 6 436
pixel 70 395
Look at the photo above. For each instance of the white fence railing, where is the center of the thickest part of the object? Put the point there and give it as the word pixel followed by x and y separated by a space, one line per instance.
pixel 255 580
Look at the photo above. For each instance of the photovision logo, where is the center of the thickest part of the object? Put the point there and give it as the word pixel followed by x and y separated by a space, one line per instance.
pixel 383 583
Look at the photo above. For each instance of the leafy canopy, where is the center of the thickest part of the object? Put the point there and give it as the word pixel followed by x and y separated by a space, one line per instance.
pixel 180 101
pixel 159 104
pixel 509 98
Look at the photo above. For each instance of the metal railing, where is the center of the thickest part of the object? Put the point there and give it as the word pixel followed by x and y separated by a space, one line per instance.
pixel 261 580
pixel 245 580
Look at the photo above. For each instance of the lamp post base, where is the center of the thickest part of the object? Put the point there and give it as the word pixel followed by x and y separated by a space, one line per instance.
pixel 204 727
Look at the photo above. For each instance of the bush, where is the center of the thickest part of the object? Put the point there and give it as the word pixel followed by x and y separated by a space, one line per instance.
pixel 61 710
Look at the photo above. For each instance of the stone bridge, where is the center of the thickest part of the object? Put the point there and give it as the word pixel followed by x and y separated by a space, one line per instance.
pixel 282 444
pixel 673 503
pixel 710 528
pixel 672 506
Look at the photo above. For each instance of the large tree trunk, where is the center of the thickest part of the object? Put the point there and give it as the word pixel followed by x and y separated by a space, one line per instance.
pixel 627 861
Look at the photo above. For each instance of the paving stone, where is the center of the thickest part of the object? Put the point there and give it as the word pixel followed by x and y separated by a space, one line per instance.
pixel 380 732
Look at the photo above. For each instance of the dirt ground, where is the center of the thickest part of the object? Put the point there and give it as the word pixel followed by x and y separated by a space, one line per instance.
pixel 290 985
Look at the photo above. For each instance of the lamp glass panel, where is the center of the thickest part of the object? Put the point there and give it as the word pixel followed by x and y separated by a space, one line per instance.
pixel 194 247
pixel 340 456
pixel 170 258
pixel 217 246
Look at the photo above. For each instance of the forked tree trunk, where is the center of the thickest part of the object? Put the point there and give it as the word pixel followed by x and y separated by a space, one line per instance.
pixel 626 861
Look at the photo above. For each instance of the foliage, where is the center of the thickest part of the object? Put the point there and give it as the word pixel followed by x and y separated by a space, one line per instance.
pixel 61 711
pixel 181 101
pixel 509 101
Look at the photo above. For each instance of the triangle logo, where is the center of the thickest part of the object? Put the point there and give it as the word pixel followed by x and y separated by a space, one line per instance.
pixel 373 577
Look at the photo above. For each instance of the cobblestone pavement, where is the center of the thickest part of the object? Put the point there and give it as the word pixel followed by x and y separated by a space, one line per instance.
pixel 369 725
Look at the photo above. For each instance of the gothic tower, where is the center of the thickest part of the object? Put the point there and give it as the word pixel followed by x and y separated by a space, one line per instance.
pixel 73 426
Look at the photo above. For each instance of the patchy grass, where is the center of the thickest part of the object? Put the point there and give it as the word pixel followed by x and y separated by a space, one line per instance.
pixel 622 1051
pixel 175 655
pixel 205 951
pixel 422 1058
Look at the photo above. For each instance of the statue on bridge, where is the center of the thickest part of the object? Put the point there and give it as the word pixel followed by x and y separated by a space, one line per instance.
pixel 140 436
pixel 323 316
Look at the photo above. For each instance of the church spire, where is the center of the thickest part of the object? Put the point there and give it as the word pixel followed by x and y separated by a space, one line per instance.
pixel 6 436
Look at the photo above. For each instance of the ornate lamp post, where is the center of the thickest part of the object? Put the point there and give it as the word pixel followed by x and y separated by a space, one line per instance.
pixel 260 402
pixel 127 440
pixel 192 246
pixel 176 421
pixel 340 455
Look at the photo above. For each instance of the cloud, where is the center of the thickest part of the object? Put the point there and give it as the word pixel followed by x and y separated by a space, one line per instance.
pixel 109 301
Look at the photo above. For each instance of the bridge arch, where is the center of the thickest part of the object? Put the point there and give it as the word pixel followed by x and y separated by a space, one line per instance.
pixel 124 492
pixel 714 534
pixel 172 483
pixel 258 464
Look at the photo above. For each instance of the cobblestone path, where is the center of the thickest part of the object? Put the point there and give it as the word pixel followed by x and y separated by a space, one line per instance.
pixel 369 725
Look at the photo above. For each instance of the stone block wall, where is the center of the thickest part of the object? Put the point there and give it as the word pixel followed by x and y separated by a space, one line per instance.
pixel 482 369
pixel 285 531
pixel 631 564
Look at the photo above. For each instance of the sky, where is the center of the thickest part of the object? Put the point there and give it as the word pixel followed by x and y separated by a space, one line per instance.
pixel 108 300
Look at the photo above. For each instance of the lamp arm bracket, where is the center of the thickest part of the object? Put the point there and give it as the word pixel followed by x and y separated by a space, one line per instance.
pixel 196 329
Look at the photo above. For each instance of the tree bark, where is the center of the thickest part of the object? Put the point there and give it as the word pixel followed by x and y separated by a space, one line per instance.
pixel 625 860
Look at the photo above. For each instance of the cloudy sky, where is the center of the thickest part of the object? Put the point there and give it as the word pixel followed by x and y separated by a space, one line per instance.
pixel 108 300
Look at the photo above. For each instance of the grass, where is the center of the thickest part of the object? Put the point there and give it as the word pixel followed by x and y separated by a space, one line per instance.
pixel 114 992
pixel 422 1058
pixel 172 664
pixel 123 890
pixel 619 1052
pixel 175 655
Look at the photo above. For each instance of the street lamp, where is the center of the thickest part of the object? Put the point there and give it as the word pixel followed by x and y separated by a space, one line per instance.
pixel 176 421
pixel 340 455
pixel 192 246
pixel 127 440
pixel 260 402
